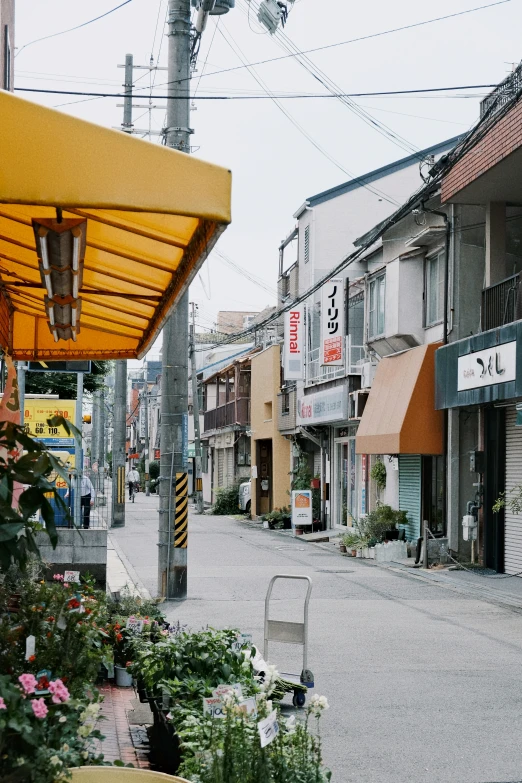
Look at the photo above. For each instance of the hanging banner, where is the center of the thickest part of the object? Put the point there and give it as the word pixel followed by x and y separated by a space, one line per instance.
pixel 332 323
pixel 293 356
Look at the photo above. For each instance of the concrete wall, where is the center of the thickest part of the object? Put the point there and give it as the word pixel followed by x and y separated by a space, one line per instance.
pixel 266 368
pixel 77 550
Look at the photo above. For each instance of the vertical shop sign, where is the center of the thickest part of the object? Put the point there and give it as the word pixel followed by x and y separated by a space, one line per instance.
pixel 363 482
pixel 293 357
pixel 332 323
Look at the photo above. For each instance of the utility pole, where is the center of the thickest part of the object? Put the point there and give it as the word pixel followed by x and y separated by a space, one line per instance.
pixel 79 450
pixel 100 440
pixel 119 441
pixel 195 409
pixel 20 371
pixel 146 429
pixel 172 559
pixel 127 88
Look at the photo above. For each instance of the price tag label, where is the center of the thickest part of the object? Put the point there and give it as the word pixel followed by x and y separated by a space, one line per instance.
pixel 72 576
pixel 30 647
pixel 242 640
pixel 222 689
pixel 213 706
pixel 249 707
pixel 134 625
pixel 268 729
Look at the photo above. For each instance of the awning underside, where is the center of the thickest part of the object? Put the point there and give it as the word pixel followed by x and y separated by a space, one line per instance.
pixel 400 415
pixel 153 215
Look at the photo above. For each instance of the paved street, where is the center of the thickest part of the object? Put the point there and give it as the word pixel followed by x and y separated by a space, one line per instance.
pixel 424 681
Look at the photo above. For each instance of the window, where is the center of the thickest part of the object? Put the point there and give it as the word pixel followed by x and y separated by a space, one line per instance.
pixel 307 244
pixel 376 309
pixel 268 411
pixel 7 60
pixel 434 288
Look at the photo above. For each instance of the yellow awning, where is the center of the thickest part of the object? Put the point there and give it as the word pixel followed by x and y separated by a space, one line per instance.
pixel 153 215
pixel 400 416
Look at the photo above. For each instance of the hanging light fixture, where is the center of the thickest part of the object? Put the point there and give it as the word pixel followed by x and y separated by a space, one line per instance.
pixel 60 246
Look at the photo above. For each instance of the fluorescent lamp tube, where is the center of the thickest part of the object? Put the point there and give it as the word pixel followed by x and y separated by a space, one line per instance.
pixel 73 316
pixel 75 286
pixel 51 315
pixel 48 285
pixel 45 254
pixel 76 253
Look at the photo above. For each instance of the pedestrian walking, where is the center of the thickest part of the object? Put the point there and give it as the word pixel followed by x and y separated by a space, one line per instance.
pixel 87 500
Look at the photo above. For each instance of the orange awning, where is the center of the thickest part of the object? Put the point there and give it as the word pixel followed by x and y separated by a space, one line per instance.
pixel 152 216
pixel 400 415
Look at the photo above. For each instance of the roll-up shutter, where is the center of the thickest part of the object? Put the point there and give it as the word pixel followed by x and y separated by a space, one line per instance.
pixel 220 466
pixel 513 522
pixel 410 474
pixel 229 478
pixel 317 463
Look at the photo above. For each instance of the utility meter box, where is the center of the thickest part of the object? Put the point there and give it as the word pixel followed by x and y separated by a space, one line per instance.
pixel 476 462
pixel 469 527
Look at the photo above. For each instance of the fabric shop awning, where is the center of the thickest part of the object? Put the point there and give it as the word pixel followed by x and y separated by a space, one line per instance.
pixel 152 216
pixel 400 415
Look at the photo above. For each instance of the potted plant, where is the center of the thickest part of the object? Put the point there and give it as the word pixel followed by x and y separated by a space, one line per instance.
pixel 378 475
pixel 350 541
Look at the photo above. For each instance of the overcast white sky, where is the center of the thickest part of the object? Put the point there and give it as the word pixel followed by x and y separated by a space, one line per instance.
pixel 275 168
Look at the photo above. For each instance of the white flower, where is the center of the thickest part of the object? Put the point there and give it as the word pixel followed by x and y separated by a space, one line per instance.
pixel 318 704
pixel 55 761
pixel 290 724
pixel 84 730
pixel 323 701
pixel 247 654
pixel 65 748
pixel 62 719
pixel 84 754
pixel 92 710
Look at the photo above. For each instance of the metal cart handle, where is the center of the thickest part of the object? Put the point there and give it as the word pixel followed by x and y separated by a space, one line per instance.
pixel 299 631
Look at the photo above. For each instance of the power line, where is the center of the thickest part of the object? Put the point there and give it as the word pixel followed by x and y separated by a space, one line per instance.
pixel 300 96
pixel 70 30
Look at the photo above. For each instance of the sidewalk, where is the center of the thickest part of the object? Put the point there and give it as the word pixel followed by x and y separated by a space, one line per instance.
pixel 123 727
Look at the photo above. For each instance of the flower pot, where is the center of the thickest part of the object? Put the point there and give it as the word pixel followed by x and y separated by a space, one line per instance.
pixel 123 678
pixel 391 535
pixel 342 548
pixel 299 531
pixel 315 483
pixel 354 553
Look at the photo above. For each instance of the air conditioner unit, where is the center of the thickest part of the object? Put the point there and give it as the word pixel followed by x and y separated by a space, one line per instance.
pixel 368 374
pixel 357 403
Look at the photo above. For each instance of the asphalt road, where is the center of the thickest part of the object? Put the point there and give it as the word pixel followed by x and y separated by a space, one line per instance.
pixel 424 682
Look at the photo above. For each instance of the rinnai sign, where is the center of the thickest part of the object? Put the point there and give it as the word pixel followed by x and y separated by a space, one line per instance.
pixel 488 367
pixel 332 323
pixel 293 360
pixel 325 406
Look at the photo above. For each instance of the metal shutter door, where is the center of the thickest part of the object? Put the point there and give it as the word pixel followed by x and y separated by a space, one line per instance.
pixel 220 466
pixel 513 522
pixel 229 478
pixel 317 463
pixel 410 492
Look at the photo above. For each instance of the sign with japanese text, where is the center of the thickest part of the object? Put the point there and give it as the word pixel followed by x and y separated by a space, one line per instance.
pixel 331 405
pixel 293 356
pixel 268 729
pixel 488 367
pixel 36 414
pixel 332 322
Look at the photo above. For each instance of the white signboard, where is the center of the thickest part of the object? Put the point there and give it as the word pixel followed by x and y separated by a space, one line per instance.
pixel 488 367
pixel 331 405
pixel 214 706
pixel 71 576
pixel 293 355
pixel 302 507
pixel 332 323
pixel 268 729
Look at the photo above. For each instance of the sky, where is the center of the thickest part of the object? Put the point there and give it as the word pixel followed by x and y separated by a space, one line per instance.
pixel 275 166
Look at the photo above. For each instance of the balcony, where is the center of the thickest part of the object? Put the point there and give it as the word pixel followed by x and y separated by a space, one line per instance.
pixel 286 410
pixel 235 413
pixel 501 303
pixel 317 373
pixel 503 93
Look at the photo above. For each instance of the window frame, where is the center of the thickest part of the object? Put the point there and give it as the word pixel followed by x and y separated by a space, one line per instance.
pixel 439 255
pixel 377 290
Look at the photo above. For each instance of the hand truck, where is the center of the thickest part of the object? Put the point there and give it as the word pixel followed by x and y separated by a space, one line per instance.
pixel 291 633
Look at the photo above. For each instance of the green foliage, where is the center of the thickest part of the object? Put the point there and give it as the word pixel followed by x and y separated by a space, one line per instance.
pixel 374 525
pixel 378 474
pixel 64 384
pixel 351 541
pixel 34 470
pixel 227 500
pixel 276 518
pixel 511 500
pixel 154 469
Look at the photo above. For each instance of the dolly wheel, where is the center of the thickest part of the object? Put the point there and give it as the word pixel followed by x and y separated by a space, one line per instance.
pixel 299 699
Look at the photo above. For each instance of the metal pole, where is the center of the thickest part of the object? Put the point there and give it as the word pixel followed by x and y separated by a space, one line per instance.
pixel 101 441
pixel 147 445
pixel 119 442
pixel 127 101
pixel 79 450
pixel 172 559
pixel 195 408
pixel 20 370
pixel 426 544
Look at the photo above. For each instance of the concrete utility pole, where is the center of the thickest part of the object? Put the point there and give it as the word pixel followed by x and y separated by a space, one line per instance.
pixel 119 441
pixel 146 429
pixel 100 455
pixel 195 410
pixel 79 451
pixel 172 559
pixel 127 101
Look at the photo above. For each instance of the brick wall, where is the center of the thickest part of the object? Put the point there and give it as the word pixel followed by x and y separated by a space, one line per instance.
pixel 500 141
pixel 7 19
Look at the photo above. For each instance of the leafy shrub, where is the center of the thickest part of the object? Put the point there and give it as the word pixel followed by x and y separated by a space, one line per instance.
pixel 227 500
pixel 378 474
pixel 374 525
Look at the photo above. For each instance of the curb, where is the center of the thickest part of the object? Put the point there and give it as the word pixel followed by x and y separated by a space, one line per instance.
pixel 131 571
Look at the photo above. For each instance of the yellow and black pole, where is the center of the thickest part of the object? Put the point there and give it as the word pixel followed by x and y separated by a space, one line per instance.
pixel 181 522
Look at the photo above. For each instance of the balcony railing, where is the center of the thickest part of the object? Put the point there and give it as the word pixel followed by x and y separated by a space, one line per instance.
pixel 501 303
pixel 503 93
pixel 233 413
pixel 317 373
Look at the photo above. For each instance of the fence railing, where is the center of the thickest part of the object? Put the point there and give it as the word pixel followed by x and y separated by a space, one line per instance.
pixel 317 373
pixel 501 303
pixel 503 93
pixel 235 412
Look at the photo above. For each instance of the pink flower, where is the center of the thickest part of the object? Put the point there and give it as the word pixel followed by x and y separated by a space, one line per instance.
pixel 28 682
pixel 39 708
pixel 59 691
pixel 66 584
pixel 3 705
pixel 58 577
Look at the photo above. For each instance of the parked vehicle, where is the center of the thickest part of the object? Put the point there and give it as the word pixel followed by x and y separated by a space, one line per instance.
pixel 245 496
